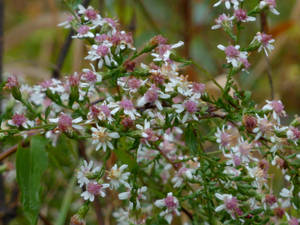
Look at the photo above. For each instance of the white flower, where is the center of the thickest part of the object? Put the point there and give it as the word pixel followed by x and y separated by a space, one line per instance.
pixel 222 20
pixel 102 53
pixel 84 32
pixel 164 52
pixel 271 4
pixel 277 107
pixel 102 138
pixel 170 204
pixel 117 176
pixel 234 56
pixel 127 106
pixel 152 96
pixel 183 173
pixel 90 77
pixel 228 3
pixel 140 196
pixel 266 42
pixel 94 189
pixel 86 169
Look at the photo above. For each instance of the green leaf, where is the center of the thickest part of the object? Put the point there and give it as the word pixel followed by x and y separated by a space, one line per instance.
pixel 31 164
pixel 122 153
pixel 191 139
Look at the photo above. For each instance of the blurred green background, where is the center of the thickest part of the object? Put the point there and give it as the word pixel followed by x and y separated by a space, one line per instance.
pixel 33 40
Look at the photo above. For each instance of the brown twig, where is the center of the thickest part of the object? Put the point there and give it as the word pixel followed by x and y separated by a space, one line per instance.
pixel 8 152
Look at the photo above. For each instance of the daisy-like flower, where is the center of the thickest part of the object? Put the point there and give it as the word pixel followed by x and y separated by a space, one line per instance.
pixel 264 126
pixel 90 77
pixel 102 138
pixel 117 176
pixel 270 201
pixel 241 16
pixel 170 204
pixel 164 51
pixel 131 84
pixel 19 120
pixel 127 106
pixel 222 20
pixel 148 135
pixel 266 42
pixel 85 170
pixel 102 53
pixel 140 196
pixel 183 173
pixel 84 32
pixel 228 3
pixel 270 4
pixel 243 150
pixel 234 56
pixel 230 204
pixel 277 107
pixel 89 13
pixel 152 96
pixel 94 189
pixel 225 138
pixel 293 134
pixel 65 123
pixel 190 107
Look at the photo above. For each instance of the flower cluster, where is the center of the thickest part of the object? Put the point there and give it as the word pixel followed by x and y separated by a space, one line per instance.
pixel 162 144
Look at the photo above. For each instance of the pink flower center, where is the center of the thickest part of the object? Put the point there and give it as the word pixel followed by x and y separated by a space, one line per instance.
pixel 91 14
pixel 236 160
pixel 190 106
pixel 240 14
pixel 265 38
pixel 105 110
pixel 19 119
pixel 270 199
pixel 198 87
pixel 94 188
pixel 162 49
pixel 231 204
pixel 126 104
pixel 101 38
pixel 90 76
pixel 46 84
pixel 232 52
pixel 170 202
pixel 102 50
pixel 134 83
pixel 271 3
pixel 151 135
pixel 277 106
pixel 94 110
pixel 296 132
pixel 111 22
pixel 293 221
pixel 64 122
pixel 151 95
pixel 83 29
pixel 12 81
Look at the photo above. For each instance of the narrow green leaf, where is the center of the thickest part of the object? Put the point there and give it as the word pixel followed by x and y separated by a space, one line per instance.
pixel 31 164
